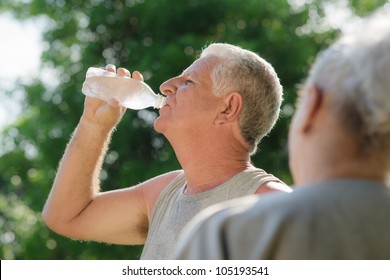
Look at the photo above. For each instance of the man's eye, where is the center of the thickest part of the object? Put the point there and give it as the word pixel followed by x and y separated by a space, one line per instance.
pixel 187 82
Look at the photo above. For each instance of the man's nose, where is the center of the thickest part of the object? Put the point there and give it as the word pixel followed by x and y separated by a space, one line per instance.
pixel 168 87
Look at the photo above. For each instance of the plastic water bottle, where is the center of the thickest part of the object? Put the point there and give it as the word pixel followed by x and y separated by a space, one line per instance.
pixel 129 92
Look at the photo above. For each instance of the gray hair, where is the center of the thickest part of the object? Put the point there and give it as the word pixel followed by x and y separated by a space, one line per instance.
pixel 256 80
pixel 355 72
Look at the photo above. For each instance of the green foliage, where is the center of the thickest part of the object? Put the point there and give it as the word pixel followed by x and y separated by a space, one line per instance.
pixel 159 38
pixel 16 222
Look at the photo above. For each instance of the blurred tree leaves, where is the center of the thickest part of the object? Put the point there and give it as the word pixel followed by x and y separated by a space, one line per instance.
pixel 159 38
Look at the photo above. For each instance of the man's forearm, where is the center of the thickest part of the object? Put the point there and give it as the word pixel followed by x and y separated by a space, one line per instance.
pixel 77 179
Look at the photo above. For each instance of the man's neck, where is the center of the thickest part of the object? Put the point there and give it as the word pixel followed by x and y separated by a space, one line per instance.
pixel 207 168
pixel 351 168
pixel 209 176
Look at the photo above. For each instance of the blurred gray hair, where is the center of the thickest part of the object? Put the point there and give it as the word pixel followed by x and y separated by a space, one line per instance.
pixel 355 72
pixel 255 79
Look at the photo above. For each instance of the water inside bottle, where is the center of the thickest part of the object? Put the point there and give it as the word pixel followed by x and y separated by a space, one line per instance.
pixel 129 92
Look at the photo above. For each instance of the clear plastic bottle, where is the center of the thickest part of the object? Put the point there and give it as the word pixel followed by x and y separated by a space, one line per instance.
pixel 129 92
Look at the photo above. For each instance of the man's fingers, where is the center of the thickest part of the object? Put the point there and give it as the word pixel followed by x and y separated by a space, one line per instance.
pixel 115 107
pixel 123 72
pixel 114 103
pixel 138 76
pixel 111 68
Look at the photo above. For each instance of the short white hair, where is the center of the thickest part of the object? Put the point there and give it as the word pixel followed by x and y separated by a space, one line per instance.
pixel 355 71
pixel 255 79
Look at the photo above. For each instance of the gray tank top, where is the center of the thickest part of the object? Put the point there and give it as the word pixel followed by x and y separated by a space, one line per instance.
pixel 174 209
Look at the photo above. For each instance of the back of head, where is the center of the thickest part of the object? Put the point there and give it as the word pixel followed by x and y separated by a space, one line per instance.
pixel 255 79
pixel 355 72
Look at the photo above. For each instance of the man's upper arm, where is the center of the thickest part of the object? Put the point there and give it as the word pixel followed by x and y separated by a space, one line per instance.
pixel 118 216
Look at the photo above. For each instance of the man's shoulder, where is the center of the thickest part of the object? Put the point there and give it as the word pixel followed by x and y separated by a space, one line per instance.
pixel 267 182
pixel 273 186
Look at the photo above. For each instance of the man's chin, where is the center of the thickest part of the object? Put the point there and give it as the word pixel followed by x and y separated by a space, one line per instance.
pixel 158 127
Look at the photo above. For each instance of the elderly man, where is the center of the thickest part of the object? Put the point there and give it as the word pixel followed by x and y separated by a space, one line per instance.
pixel 339 147
pixel 216 113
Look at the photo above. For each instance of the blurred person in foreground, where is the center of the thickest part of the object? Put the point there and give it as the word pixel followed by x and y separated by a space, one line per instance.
pixel 216 113
pixel 339 148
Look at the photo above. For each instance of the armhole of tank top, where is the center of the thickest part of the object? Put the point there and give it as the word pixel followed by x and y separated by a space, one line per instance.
pixel 167 190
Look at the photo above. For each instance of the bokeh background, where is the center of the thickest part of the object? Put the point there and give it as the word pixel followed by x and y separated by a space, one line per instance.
pixel 159 38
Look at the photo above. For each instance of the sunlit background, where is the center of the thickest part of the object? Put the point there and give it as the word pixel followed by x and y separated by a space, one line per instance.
pixel 20 51
pixel 22 45
pixel 46 47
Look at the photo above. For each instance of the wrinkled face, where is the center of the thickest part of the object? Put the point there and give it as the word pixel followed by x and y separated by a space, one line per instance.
pixel 191 105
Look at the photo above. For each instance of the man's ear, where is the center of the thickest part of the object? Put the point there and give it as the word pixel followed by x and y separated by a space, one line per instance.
pixel 312 105
pixel 230 109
